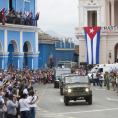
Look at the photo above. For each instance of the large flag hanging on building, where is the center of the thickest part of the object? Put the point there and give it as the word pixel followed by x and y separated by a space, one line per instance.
pixel 92 37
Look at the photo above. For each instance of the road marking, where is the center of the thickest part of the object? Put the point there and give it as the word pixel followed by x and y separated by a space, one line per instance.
pixel 112 99
pixel 80 112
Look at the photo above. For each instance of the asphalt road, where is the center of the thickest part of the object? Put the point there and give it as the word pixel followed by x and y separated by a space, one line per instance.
pixel 51 105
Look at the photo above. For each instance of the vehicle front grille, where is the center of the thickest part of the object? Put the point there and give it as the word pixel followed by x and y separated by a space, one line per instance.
pixel 80 89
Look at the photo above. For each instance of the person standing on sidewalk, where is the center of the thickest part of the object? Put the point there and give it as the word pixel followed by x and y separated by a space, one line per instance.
pixel 107 78
pixel 12 105
pixel 113 80
pixel 101 79
pixel 32 98
pixel 24 107
pixel 117 83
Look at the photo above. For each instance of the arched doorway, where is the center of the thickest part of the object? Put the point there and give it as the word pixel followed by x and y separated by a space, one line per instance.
pixel 116 52
pixel 27 50
pixel 12 61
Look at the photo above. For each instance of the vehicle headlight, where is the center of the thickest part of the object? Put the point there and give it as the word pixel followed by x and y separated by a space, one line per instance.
pixel 87 89
pixel 69 90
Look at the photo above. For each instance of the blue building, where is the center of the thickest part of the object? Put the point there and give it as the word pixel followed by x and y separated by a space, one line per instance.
pixel 52 51
pixel 19 35
pixel 64 51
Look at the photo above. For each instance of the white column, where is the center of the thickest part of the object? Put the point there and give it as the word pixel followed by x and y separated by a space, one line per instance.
pixel 3 63
pixel 78 13
pixel 36 41
pixel 85 20
pixel 18 63
pixel 32 63
pixel 108 13
pixel 99 18
pixel 21 42
pixel 112 13
pixel 5 42
pixel 36 3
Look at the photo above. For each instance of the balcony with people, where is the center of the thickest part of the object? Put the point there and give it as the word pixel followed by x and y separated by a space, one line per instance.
pixel 19 18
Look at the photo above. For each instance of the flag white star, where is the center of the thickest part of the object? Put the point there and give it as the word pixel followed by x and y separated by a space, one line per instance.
pixel 91 30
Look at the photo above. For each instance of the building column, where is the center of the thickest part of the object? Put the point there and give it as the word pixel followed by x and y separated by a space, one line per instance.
pixel 21 41
pixel 21 53
pixel 36 42
pixel 5 42
pixel 98 17
pixel 18 64
pixel 112 13
pixel 5 49
pixel 32 63
pixel 108 13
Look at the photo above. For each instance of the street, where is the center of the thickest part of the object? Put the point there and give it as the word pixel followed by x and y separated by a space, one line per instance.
pixel 50 104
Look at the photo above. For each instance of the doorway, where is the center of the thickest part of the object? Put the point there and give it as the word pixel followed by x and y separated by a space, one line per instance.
pixel 92 18
pixel 25 50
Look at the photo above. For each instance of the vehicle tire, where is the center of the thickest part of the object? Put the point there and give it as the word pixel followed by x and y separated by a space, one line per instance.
pixel 54 85
pixel 89 100
pixel 66 100
pixel 61 91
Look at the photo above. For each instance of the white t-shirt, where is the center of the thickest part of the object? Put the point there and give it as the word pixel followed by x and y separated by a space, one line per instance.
pixel 25 91
pixel 24 106
pixel 32 99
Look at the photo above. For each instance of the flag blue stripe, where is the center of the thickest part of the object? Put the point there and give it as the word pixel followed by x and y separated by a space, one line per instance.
pixel 92 50
pixel 86 47
pixel 98 47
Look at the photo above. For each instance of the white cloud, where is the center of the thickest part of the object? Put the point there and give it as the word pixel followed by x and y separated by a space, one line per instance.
pixel 58 15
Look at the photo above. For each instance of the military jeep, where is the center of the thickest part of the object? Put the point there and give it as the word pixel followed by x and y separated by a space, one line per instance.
pixel 77 88
pixel 62 82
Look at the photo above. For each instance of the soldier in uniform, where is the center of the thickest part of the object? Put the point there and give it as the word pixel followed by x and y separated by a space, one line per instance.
pixel 107 78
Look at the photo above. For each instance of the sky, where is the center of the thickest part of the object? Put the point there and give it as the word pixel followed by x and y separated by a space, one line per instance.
pixel 59 16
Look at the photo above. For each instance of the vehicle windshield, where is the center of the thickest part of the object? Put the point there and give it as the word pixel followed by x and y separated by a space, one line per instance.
pixel 76 79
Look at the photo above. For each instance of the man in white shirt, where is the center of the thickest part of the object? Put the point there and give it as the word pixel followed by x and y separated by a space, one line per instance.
pixel 24 106
pixel 32 98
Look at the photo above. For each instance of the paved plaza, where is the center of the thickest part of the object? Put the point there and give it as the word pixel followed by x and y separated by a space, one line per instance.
pixel 50 105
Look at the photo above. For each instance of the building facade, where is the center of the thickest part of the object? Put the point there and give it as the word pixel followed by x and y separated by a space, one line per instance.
pixel 19 34
pixel 101 13
pixel 53 51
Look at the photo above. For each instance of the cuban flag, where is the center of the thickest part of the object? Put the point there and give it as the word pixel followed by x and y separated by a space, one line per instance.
pixel 92 37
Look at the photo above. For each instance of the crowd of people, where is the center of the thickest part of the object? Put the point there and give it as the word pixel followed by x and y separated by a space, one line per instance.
pixel 14 17
pixel 108 79
pixel 17 94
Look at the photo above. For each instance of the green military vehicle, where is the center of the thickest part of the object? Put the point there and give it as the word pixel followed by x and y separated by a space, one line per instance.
pixel 62 82
pixel 58 73
pixel 77 88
